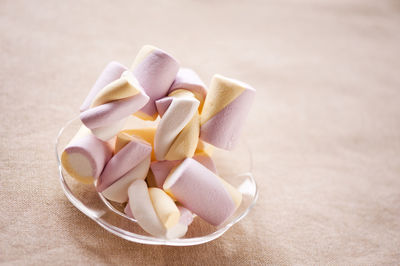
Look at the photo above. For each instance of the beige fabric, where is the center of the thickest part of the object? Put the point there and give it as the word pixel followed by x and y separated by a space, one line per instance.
pixel 325 128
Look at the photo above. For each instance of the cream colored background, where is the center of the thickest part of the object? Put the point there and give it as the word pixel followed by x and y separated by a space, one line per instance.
pixel 325 128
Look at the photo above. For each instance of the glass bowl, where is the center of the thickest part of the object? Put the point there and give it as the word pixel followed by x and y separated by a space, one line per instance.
pixel 234 166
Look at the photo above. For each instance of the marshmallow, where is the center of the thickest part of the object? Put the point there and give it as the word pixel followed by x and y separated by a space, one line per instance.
pixel 202 192
pixel 180 229
pixel 177 133
pixel 155 70
pixel 187 79
pixel 131 162
pixel 113 71
pixel 128 212
pixel 147 206
pixel 142 209
pixel 161 169
pixel 85 156
pixel 108 132
pixel 186 216
pixel 146 134
pixel 156 85
pixel 224 112
pixel 118 191
pixel 113 104
pixel 203 147
pixel 176 231
pixel 205 159
pixel 165 207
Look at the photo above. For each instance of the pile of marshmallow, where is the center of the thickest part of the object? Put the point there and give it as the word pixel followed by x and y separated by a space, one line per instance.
pixel 166 174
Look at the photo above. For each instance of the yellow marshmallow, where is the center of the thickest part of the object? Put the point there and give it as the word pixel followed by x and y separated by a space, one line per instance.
pixel 164 207
pixel 145 116
pixel 223 91
pixel 186 93
pixel 205 148
pixel 143 53
pixel 181 93
pixel 65 161
pixel 124 87
pixel 185 143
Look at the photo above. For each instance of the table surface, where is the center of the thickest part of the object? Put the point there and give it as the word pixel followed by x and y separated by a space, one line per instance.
pixel 324 129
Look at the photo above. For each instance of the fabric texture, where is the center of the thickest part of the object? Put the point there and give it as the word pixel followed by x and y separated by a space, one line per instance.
pixel 324 128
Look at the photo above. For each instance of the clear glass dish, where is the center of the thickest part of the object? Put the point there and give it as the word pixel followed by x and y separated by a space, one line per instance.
pixel 234 166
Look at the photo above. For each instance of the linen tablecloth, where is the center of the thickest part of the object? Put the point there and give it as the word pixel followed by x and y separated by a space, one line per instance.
pixel 324 129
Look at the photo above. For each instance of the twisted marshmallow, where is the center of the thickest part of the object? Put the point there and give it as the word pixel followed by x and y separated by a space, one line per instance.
pixel 161 169
pixel 85 156
pixel 113 104
pixel 111 72
pixel 153 209
pixel 187 79
pixel 155 70
pixel 177 133
pixel 130 162
pixel 202 192
pixel 176 231
pixel 146 134
pixel 225 110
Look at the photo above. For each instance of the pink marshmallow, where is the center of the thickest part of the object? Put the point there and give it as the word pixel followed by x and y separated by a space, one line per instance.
pixel 163 104
pixel 161 169
pixel 187 79
pixel 201 191
pixel 95 150
pixel 206 160
pixel 108 113
pixel 112 72
pixel 126 159
pixel 156 72
pixel 223 130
